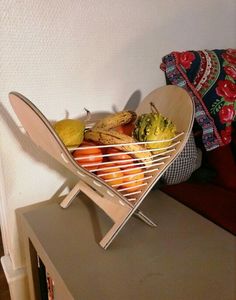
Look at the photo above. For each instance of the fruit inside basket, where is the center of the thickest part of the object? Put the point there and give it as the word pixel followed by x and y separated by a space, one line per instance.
pixel 118 158
pixel 123 149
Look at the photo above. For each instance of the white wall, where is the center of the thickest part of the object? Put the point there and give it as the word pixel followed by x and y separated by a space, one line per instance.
pixel 71 54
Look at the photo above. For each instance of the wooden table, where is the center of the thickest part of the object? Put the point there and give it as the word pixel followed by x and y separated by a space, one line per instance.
pixel 141 263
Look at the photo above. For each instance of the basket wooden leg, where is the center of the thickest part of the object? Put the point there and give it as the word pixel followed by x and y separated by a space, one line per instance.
pixel 119 224
pixel 144 218
pixel 112 233
pixel 118 213
pixel 70 197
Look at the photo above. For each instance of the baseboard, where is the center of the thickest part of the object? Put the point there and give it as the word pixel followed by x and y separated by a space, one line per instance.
pixel 16 279
pixel 3 213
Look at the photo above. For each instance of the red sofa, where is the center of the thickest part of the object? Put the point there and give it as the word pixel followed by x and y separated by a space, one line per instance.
pixel 211 190
pixel 211 201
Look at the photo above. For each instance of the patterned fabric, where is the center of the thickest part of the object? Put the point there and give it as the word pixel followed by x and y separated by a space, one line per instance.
pixel 185 164
pixel 210 79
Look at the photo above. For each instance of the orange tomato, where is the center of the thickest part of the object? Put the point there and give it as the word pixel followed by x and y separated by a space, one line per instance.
pixel 126 128
pixel 133 173
pixel 113 176
pixel 119 158
pixel 88 156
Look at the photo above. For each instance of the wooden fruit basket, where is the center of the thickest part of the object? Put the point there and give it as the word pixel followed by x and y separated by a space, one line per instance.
pixel 117 201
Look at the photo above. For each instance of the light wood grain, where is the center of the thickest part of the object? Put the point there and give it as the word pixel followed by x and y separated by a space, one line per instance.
pixel 172 101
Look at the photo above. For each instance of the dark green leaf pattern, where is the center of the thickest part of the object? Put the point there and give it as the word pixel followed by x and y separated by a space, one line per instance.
pixel 229 78
pixel 216 106
pixel 225 63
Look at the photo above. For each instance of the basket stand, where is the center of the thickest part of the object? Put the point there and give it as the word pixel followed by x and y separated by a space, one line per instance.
pixel 170 99
pixel 118 211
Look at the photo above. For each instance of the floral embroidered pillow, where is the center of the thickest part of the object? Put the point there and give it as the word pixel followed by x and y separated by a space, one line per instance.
pixel 210 78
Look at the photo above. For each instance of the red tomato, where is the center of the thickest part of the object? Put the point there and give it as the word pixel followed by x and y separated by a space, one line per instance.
pixel 134 173
pixel 126 128
pixel 119 158
pixel 115 174
pixel 88 156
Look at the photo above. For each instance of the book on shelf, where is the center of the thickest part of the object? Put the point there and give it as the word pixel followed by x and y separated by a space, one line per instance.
pixel 46 283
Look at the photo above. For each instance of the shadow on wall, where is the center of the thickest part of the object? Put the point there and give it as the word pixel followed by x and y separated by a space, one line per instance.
pixel 29 147
pixel 132 103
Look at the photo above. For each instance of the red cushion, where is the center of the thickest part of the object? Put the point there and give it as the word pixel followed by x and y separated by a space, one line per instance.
pixel 222 160
pixel 211 201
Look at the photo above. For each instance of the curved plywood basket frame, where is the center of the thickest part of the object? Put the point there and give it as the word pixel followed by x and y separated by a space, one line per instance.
pixel 172 101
